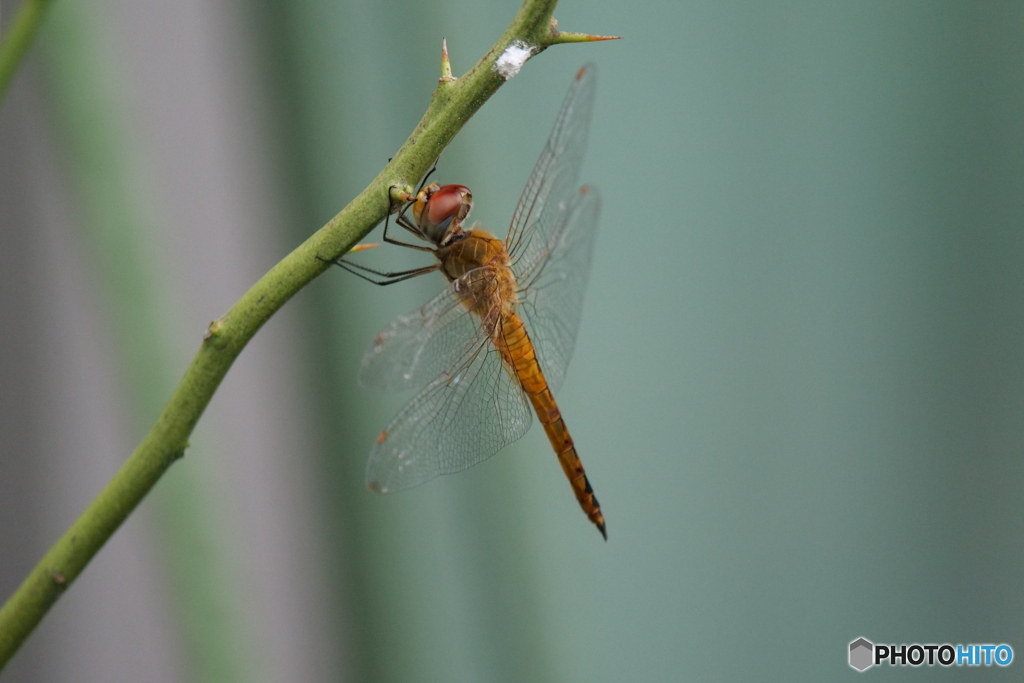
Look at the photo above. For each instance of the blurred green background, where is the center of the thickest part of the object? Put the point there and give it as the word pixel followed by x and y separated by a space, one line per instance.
pixel 798 387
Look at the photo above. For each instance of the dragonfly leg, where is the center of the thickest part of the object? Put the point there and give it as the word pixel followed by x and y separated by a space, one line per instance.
pixel 401 219
pixel 423 183
pixel 391 281
pixel 386 278
pixel 408 225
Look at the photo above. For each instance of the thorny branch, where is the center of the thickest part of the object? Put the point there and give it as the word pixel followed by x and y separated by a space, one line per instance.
pixel 453 103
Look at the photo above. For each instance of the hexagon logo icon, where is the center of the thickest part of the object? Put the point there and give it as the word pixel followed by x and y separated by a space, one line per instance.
pixel 860 654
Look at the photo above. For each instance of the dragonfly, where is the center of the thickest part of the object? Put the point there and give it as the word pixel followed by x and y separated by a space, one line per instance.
pixel 493 347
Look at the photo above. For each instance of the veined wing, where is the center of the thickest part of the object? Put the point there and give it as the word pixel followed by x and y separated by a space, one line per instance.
pixel 420 346
pixel 551 296
pixel 549 192
pixel 461 418
pixel 471 406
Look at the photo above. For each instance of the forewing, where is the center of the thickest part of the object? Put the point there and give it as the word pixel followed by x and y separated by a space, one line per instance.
pixel 456 421
pixel 549 192
pixel 420 346
pixel 551 296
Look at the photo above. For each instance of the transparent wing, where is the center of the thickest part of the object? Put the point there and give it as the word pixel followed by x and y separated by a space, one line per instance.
pixel 457 420
pixel 419 347
pixel 549 192
pixel 551 296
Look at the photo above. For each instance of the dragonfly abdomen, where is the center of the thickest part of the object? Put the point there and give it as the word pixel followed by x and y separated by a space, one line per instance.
pixel 519 353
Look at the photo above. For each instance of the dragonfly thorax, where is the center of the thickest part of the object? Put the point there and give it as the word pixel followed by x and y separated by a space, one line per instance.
pixel 471 249
pixel 478 250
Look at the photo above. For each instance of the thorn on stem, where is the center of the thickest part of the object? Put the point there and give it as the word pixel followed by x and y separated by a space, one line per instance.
pixel 213 330
pixel 446 65
pixel 362 247
pixel 400 195
pixel 571 37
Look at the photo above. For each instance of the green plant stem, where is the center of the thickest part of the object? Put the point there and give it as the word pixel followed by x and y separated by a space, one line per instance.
pixel 18 39
pixel 452 104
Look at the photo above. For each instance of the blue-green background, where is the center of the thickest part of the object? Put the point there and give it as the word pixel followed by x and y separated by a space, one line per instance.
pixel 798 387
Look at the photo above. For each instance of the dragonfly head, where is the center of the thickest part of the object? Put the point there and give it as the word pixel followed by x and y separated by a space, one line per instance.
pixel 440 209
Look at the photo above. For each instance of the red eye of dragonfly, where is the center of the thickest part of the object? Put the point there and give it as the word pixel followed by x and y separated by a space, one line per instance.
pixel 441 207
pixel 446 202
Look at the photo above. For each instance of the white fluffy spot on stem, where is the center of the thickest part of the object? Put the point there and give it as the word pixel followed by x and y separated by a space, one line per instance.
pixel 512 59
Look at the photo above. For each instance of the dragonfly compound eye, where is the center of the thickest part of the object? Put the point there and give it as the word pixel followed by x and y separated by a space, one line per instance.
pixel 448 204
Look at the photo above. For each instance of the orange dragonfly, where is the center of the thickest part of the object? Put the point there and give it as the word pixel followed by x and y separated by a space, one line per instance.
pixel 498 338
